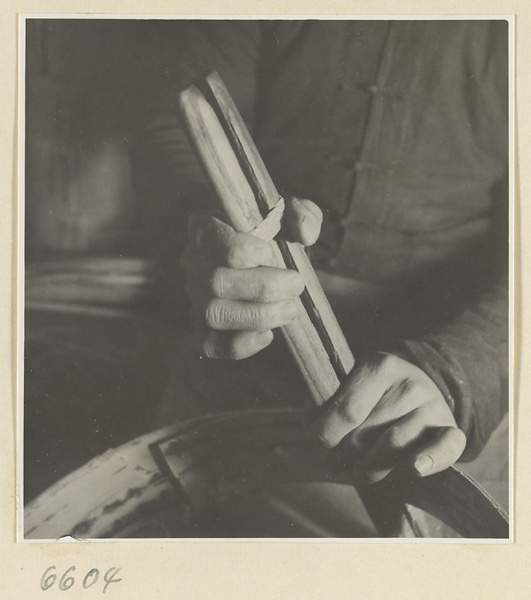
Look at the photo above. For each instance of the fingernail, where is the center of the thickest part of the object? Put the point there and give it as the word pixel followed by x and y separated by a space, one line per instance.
pixel 424 464
pixel 310 229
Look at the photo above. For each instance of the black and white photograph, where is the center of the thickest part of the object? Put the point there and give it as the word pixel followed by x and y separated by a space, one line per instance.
pixel 266 278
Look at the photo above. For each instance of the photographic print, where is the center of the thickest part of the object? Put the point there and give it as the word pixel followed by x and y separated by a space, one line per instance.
pixel 267 278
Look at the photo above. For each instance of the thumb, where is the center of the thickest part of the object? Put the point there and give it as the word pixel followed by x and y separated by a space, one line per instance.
pixel 440 453
pixel 304 220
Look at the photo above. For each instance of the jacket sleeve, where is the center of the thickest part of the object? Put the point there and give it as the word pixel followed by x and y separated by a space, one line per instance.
pixel 469 357
pixel 468 360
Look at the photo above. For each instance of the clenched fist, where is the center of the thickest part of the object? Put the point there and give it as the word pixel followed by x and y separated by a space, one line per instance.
pixel 237 294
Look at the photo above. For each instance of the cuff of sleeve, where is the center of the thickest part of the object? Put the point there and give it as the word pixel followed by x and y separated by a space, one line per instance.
pixel 453 386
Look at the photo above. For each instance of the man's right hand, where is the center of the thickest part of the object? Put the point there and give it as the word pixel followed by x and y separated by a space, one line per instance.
pixel 237 295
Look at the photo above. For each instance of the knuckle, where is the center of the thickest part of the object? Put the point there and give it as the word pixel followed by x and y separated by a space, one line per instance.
pixel 356 445
pixel 236 254
pixel 397 440
pixel 435 408
pixel 323 440
pixel 387 361
pixel 375 362
pixel 346 410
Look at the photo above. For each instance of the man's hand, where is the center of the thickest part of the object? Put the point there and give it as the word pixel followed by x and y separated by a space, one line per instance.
pixel 237 295
pixel 389 413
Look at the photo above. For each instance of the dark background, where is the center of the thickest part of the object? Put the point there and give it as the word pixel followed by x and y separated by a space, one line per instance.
pixel 97 353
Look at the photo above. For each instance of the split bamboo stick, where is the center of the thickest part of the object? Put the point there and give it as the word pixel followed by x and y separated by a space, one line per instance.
pixel 246 192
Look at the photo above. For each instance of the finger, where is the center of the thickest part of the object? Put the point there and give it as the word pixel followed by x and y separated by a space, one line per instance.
pixel 440 453
pixel 304 219
pixel 214 239
pixel 354 401
pixel 224 314
pixel 391 448
pixel 234 345
pixel 258 284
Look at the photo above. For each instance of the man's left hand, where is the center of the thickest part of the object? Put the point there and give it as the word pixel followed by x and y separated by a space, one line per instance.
pixel 389 413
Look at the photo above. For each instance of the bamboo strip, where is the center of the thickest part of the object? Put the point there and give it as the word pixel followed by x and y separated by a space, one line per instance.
pixel 245 190
pixel 238 200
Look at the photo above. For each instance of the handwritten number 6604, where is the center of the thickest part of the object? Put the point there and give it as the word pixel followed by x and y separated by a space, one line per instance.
pixel 67 580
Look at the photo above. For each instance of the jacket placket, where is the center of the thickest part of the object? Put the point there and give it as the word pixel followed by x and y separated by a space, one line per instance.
pixel 378 167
